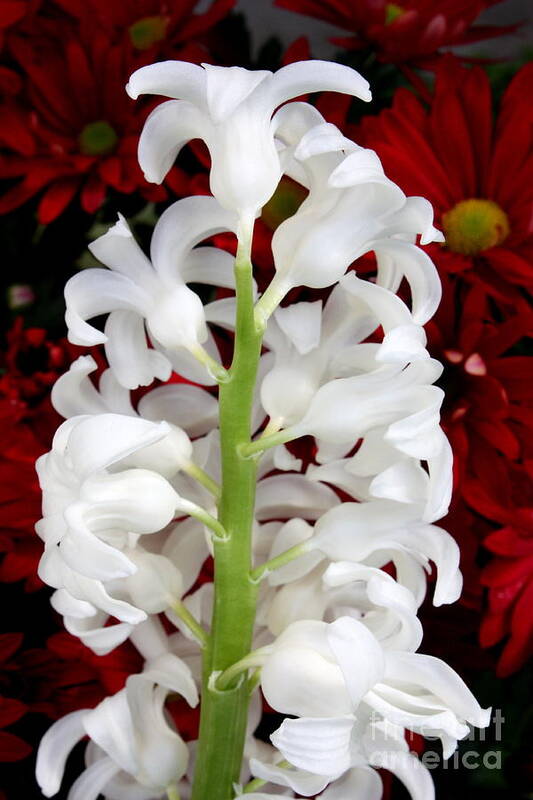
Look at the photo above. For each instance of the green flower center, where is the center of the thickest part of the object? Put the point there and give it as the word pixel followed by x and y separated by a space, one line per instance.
pixel 147 31
pixel 392 12
pixel 285 202
pixel 475 225
pixel 97 138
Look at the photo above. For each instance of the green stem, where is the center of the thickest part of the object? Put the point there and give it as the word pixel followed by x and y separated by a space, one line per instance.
pixel 203 516
pixel 193 625
pixel 279 561
pixel 254 659
pixel 249 449
pixel 224 713
pixel 203 478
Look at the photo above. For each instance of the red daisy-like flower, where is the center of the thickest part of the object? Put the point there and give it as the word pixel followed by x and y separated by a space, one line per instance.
pixel 408 31
pixel 158 26
pixel 30 365
pixel 12 747
pixel 81 128
pixel 502 493
pixel 488 393
pixel 479 177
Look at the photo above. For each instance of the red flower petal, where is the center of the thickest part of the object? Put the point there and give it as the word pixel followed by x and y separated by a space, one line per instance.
pixel 13 748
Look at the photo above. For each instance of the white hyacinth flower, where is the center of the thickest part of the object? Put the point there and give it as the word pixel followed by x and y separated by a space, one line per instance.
pixel 187 410
pixel 92 519
pixel 334 676
pixel 377 532
pixel 232 110
pixel 133 751
pixel 137 292
pixel 312 346
pixel 351 209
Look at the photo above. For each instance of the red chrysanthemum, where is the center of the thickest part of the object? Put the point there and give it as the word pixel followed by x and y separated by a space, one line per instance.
pixel 478 176
pixel 502 493
pixel 81 129
pixel 12 747
pixel 488 392
pixel 408 31
pixel 157 27
pixel 30 365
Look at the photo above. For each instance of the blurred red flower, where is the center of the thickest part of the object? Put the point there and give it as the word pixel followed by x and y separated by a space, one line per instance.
pixel 159 27
pixel 12 747
pixel 479 177
pixel 408 31
pixel 80 129
pixel 501 492
pixel 30 365
pixel 488 393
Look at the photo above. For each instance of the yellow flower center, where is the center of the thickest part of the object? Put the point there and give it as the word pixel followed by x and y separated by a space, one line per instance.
pixel 97 138
pixel 147 31
pixel 392 12
pixel 475 225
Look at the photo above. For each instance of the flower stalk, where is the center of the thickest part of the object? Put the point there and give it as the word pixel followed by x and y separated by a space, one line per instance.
pixel 224 713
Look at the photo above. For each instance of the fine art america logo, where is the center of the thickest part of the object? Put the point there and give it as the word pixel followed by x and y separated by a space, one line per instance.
pixel 391 749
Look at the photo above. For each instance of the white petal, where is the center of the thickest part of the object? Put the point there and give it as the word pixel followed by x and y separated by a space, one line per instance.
pixel 101 640
pixel 209 265
pixel 188 407
pixel 405 481
pixel 323 138
pixel 165 457
pixel 299 600
pixel 283 496
pixel 178 79
pixel 95 443
pixel 118 250
pixel 171 672
pixel 187 548
pixel 358 654
pixel 163 755
pixel 361 783
pixel 403 343
pixel 74 394
pixel 416 216
pixel 388 309
pixel 335 472
pixel 406 259
pixel 98 291
pixel 292 533
pixel 110 726
pixel 304 783
pixel 302 77
pixel 85 553
pixel 55 748
pixel 228 87
pixel 300 680
pixel 66 605
pixel 320 746
pixel 284 459
pixel 132 361
pixel 182 226
pixel 301 323
pixel 93 591
pixel 440 483
pixel 156 584
pixel 409 770
pixel 137 500
pixel 167 129
pixel 92 782
pixel 436 676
